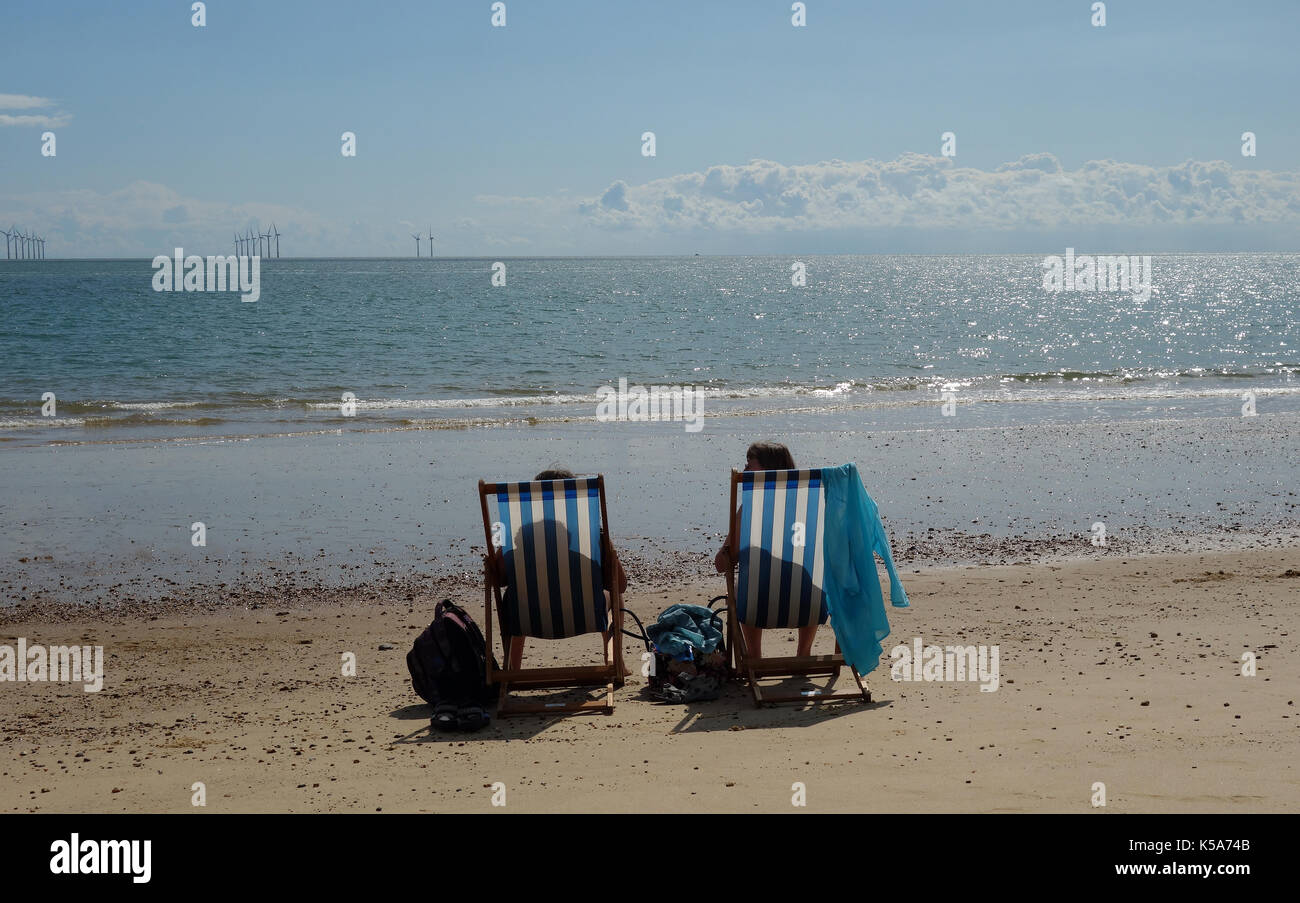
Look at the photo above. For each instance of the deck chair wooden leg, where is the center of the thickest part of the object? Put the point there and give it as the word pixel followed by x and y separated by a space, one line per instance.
pixel 742 654
pixel 612 657
pixel 862 686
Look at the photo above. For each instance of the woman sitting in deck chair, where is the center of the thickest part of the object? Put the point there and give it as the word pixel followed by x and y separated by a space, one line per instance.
pixel 562 545
pixel 765 456
pixel 802 547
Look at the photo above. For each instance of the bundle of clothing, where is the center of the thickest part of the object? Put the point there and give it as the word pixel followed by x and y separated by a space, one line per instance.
pixel 690 656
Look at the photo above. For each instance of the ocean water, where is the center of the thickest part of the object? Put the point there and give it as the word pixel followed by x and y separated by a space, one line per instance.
pixel 428 344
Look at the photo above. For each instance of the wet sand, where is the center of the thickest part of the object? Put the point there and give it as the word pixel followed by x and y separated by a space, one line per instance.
pixel 115 522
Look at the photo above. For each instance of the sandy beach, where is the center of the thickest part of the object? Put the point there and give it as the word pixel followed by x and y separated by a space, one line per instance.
pixel 1119 669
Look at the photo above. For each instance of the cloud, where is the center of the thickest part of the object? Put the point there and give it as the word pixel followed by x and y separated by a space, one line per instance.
pixel 30 102
pixel 916 203
pixel 145 218
pixel 615 198
pixel 762 203
pixel 918 191
pixel 22 102
pixel 49 122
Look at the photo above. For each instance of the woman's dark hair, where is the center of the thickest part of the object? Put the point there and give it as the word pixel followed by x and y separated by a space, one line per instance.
pixel 770 456
pixel 554 475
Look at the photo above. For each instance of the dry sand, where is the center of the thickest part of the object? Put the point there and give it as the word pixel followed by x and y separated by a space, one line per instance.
pixel 1122 670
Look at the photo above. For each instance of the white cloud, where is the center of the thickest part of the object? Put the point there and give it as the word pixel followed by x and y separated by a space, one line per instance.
pixel 914 203
pixel 22 102
pixel 49 122
pixel 30 102
pixel 883 205
pixel 920 191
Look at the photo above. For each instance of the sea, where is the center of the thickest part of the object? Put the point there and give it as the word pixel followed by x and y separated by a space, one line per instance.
pixel 419 344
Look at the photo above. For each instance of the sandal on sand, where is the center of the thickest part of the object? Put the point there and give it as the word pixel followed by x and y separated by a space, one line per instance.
pixel 471 717
pixel 444 716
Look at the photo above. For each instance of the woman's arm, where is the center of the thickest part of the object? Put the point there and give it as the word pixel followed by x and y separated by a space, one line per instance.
pixel 726 556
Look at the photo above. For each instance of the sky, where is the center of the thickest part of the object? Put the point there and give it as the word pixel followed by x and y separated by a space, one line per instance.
pixel 769 138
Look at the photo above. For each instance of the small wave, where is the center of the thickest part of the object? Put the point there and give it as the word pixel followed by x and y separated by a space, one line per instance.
pixel 40 423
pixel 142 419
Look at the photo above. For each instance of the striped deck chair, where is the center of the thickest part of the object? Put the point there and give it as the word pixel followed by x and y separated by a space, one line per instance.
pixel 559 564
pixel 774 578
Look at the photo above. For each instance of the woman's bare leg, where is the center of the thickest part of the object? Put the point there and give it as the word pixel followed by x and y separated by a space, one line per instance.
pixel 516 653
pixel 753 640
pixel 806 637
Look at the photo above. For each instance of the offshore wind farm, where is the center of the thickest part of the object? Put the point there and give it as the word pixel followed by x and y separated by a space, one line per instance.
pixel 20 245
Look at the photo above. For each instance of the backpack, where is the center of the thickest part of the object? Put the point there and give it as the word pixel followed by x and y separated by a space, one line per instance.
pixel 448 662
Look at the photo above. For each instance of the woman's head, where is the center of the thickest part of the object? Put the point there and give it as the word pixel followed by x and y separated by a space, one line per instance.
pixel 768 456
pixel 554 475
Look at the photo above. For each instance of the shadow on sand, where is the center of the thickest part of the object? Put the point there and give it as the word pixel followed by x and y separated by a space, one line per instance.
pixel 733 711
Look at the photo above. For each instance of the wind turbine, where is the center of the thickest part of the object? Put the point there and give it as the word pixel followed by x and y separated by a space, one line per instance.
pixel 268 242
pixel 418 239
pixel 22 245
pixel 276 232
pixel 6 235
pixel 252 249
pixel 431 242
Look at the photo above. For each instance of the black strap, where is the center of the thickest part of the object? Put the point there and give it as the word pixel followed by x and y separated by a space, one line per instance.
pixel 637 636
pixel 644 637
pixel 717 616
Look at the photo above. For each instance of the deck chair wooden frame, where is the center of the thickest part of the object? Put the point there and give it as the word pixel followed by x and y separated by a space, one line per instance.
pixel 609 675
pixel 752 669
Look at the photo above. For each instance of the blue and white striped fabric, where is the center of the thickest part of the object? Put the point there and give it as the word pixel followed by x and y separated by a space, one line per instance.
pixel 552 551
pixel 780 575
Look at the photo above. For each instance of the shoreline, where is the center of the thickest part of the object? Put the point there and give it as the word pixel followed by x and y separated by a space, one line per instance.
pixel 102 522
pixel 646 574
